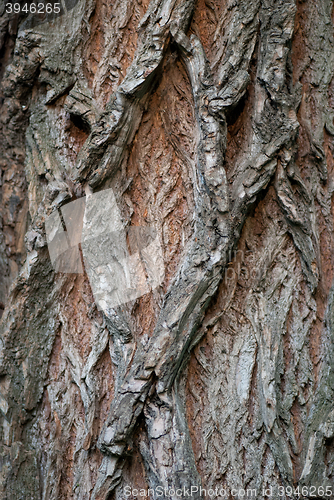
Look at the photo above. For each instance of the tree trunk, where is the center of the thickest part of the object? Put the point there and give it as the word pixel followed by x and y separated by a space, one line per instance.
pixel 166 259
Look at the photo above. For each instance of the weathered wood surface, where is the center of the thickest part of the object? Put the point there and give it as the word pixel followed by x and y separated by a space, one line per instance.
pixel 213 122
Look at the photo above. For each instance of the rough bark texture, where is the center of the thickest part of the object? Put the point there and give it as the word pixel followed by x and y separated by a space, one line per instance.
pixel 211 121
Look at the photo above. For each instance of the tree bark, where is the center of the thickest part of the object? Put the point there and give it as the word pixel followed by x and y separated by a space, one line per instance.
pixel 194 140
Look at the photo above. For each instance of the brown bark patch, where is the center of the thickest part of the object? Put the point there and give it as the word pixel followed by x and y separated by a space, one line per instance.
pixel 207 24
pixel 159 167
pixel 78 299
pixel 112 44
